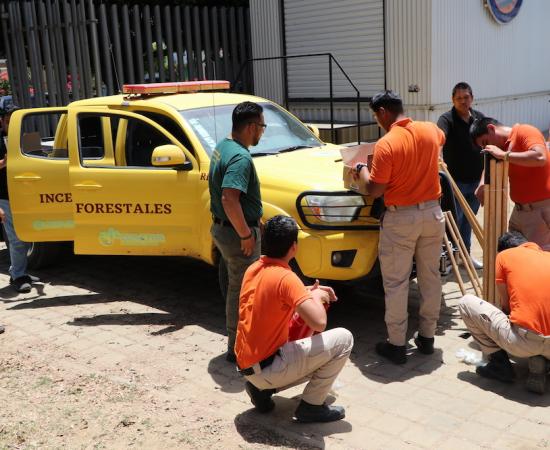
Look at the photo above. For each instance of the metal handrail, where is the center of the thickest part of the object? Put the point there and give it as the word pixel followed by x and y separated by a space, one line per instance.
pixel 331 59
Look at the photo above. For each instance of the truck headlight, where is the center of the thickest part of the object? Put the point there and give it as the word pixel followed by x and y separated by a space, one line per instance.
pixel 330 208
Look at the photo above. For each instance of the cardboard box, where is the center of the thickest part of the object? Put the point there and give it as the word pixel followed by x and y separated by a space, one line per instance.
pixel 353 155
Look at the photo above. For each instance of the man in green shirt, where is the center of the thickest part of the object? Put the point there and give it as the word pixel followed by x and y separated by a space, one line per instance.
pixel 236 206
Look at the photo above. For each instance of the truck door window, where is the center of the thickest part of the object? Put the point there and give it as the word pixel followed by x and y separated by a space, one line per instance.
pixel 90 134
pixel 39 138
pixel 141 139
pixel 169 125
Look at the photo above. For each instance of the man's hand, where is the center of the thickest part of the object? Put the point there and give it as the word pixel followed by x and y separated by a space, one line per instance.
pixel 330 294
pixel 479 193
pixel 497 152
pixel 247 245
pixel 2 215
pixel 3 161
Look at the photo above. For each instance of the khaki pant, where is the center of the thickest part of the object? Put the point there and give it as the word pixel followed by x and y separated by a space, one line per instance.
pixel 414 231
pixel 493 331
pixel 229 244
pixel 318 359
pixel 533 221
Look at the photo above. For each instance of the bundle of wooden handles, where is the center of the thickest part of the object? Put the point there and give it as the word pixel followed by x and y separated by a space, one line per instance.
pixel 495 223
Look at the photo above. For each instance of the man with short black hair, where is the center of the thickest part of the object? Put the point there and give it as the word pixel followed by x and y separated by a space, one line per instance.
pixel 19 278
pixel 236 205
pixel 522 326
pixel 462 156
pixel 270 295
pixel 405 169
pixel 529 174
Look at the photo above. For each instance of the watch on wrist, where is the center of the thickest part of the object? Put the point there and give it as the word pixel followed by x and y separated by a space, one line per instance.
pixel 359 167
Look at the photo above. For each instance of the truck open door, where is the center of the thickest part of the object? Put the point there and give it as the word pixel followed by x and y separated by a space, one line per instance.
pixel 38 175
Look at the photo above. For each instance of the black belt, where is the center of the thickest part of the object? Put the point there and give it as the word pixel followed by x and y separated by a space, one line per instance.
pixel 263 364
pixel 227 223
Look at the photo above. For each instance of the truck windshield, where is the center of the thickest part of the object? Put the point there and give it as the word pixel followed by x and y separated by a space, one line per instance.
pixel 283 132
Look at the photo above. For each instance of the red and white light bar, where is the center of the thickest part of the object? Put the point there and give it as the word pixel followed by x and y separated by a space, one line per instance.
pixel 175 88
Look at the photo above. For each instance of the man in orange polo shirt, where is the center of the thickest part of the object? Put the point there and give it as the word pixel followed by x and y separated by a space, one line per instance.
pixel 270 295
pixel 405 170
pixel 521 272
pixel 529 174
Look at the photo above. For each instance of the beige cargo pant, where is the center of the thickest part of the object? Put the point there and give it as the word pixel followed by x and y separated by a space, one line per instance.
pixel 318 360
pixel 493 331
pixel 533 221
pixel 411 231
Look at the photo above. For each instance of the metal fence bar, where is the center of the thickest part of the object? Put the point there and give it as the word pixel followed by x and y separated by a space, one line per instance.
pixel 64 50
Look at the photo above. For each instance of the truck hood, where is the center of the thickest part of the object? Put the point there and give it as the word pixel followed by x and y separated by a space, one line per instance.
pixel 311 169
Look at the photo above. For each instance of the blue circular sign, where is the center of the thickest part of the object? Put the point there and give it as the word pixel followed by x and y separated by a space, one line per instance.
pixel 504 10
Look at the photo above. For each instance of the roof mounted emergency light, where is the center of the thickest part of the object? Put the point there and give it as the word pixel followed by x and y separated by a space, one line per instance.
pixel 174 88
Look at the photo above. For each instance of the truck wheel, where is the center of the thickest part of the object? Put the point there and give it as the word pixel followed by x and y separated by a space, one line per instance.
pixel 43 254
pixel 223 278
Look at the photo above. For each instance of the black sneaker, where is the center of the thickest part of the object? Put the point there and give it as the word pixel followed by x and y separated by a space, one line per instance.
pixel 22 284
pixel 538 369
pixel 261 399
pixel 31 277
pixel 499 368
pixel 2 329
pixel 306 412
pixel 424 345
pixel 397 354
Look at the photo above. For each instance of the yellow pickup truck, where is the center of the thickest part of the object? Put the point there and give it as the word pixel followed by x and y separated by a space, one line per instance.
pixel 128 175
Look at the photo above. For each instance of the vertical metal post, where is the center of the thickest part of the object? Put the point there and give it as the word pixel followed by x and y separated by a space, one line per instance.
pixel 169 42
pixel 128 54
pixel 331 95
pixel 149 43
pixel 106 49
pixel 46 45
pixel 358 117
pixel 117 55
pixel 95 48
pixel 54 19
pixel 160 42
pixel 139 45
pixel 179 42
pixel 285 62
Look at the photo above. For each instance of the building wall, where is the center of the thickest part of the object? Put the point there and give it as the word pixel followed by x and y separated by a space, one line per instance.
pixel 352 30
pixel 436 43
pixel 267 41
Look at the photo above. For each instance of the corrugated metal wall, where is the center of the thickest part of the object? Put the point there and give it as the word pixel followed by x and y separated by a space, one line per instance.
pixel 497 60
pixel 352 30
pixel 267 41
pixel 408 49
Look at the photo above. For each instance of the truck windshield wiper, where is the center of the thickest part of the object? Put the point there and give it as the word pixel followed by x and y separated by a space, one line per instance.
pixel 295 147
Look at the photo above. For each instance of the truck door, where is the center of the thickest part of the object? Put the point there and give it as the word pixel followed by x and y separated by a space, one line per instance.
pixel 38 175
pixel 124 204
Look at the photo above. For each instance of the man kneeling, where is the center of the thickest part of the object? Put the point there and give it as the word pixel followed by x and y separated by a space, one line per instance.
pixel 270 295
pixel 521 269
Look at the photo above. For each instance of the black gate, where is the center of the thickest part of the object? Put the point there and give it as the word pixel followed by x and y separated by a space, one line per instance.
pixel 64 50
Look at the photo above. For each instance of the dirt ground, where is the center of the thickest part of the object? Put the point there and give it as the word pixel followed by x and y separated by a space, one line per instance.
pixel 127 352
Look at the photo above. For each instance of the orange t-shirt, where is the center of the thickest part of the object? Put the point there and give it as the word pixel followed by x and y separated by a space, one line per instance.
pixel 525 270
pixel 269 295
pixel 406 159
pixel 528 184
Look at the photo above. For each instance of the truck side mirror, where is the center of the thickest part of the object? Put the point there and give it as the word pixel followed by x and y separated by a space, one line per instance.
pixel 313 129
pixel 170 156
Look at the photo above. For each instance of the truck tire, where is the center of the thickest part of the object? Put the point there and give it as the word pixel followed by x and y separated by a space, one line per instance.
pixel 44 254
pixel 223 278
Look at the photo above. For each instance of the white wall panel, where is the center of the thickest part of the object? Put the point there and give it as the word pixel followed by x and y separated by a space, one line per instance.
pixel 497 60
pixel 352 30
pixel 267 41
pixel 408 48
